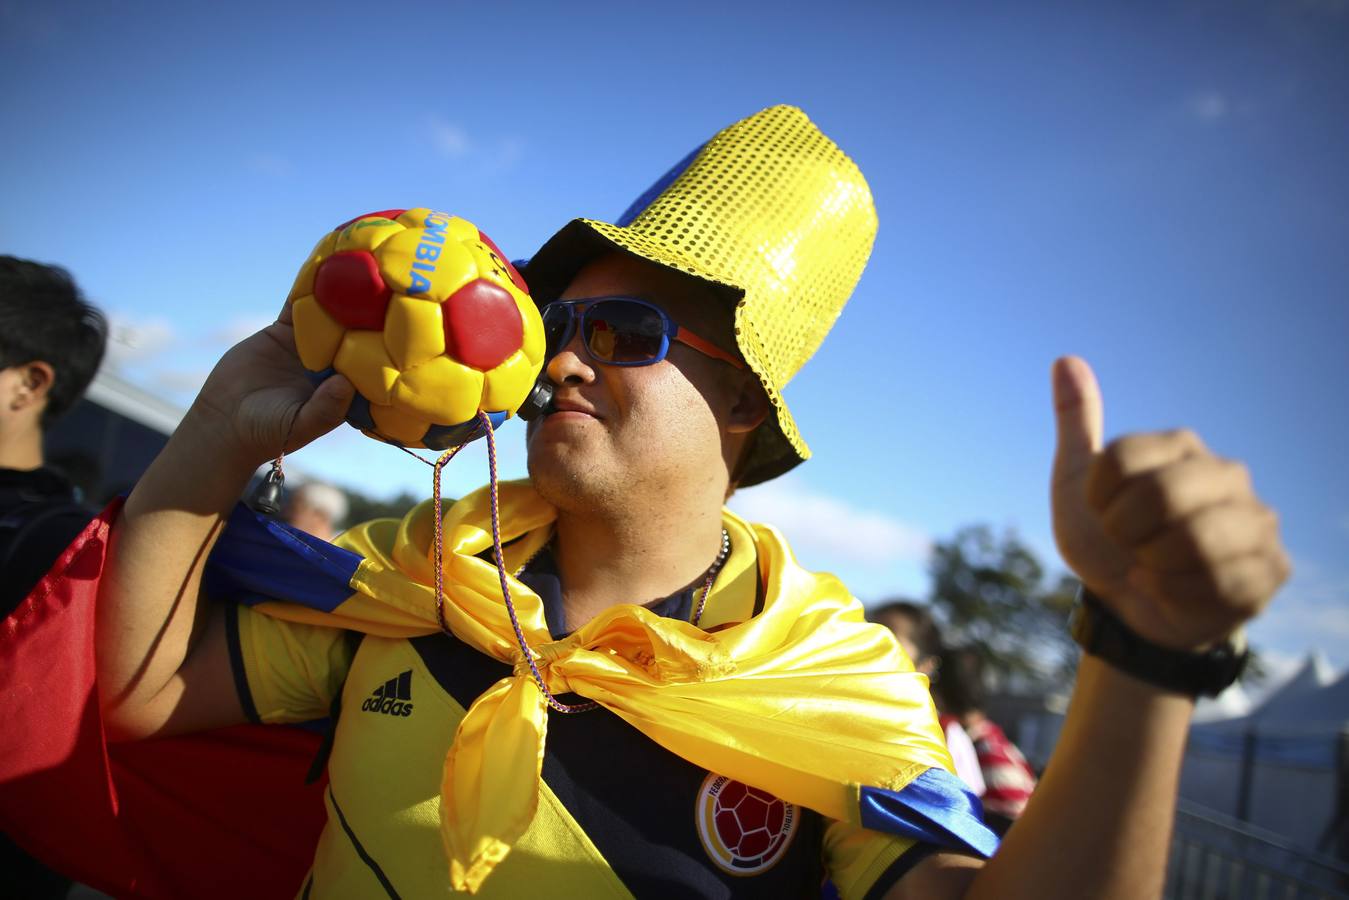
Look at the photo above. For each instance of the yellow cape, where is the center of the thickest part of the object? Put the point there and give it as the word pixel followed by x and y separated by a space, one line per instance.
pixel 805 700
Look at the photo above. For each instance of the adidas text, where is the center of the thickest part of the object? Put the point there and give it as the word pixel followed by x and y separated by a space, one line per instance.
pixel 392 698
pixel 391 706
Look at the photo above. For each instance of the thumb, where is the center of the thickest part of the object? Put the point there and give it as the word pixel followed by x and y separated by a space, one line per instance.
pixel 1079 414
pixel 322 412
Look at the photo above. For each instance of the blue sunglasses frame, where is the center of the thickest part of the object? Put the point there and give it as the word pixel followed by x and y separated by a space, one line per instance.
pixel 578 310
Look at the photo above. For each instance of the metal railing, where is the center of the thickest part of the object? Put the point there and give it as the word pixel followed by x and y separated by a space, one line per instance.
pixel 1214 857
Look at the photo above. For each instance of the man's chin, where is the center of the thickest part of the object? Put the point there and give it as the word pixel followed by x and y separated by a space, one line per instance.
pixel 551 464
pixel 565 479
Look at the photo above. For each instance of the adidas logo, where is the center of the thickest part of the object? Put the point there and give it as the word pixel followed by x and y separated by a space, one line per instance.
pixel 393 697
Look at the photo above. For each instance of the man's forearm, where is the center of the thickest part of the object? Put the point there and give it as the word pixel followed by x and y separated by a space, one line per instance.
pixel 147 607
pixel 1099 824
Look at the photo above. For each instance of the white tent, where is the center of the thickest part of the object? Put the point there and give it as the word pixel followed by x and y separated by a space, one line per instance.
pixel 1280 766
pixel 1314 674
pixel 1230 704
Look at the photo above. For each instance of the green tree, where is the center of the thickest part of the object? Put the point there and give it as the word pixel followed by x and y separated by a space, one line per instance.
pixel 992 593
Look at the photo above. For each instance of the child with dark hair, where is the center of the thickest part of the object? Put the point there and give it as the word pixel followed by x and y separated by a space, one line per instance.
pixel 920 638
pixel 45 323
pixel 1007 777
pixel 51 343
pixel 913 627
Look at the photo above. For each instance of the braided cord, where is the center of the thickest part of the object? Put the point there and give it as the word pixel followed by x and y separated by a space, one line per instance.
pixel 439 547
pixel 505 588
pixel 525 652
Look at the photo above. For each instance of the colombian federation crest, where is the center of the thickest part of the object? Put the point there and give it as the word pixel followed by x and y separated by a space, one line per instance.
pixel 744 830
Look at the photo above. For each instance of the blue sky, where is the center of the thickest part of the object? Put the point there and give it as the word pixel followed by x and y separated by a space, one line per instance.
pixel 1158 187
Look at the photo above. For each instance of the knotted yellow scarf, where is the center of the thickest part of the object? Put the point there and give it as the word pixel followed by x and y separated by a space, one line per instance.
pixel 804 700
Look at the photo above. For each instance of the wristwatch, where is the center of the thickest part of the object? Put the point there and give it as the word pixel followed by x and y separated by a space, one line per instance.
pixel 1101 633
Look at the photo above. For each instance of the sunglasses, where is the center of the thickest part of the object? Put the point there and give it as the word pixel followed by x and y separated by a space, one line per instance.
pixel 621 331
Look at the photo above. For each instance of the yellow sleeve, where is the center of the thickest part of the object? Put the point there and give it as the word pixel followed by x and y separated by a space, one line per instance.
pixel 857 858
pixel 286 671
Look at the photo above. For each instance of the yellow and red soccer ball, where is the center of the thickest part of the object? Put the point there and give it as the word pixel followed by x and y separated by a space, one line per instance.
pixel 426 317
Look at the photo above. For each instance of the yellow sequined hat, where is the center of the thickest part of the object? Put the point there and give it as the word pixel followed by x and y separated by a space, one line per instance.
pixel 772 213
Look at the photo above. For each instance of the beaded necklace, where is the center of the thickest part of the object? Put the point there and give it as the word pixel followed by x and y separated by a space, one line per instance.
pixel 712 575
pixel 708 582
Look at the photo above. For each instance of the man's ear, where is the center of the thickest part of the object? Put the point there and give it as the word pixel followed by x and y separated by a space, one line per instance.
pixel 750 406
pixel 35 381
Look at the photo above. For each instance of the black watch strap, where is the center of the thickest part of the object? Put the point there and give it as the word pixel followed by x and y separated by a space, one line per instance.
pixel 1101 633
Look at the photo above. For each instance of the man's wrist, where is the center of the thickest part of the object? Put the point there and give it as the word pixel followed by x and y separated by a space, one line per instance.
pixel 1101 633
pixel 212 435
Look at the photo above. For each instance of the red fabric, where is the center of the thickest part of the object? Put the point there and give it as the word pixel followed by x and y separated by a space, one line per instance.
pixel 224 814
pixel 1007 775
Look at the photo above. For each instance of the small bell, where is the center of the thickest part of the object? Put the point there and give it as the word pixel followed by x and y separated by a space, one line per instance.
pixel 267 498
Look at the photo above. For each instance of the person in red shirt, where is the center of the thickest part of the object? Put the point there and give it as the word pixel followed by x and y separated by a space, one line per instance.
pixel 920 638
pixel 1008 778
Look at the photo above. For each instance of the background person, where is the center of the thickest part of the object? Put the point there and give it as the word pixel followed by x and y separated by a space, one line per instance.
pixel 317 508
pixel 1008 778
pixel 920 637
pixel 51 344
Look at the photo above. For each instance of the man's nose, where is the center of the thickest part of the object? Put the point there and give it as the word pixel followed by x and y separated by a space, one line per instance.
pixel 571 364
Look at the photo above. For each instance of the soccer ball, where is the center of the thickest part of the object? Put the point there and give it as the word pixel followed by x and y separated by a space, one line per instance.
pixel 426 317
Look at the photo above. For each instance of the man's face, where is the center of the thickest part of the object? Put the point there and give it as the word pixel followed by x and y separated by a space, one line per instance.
pixel 629 435
pixel 308 519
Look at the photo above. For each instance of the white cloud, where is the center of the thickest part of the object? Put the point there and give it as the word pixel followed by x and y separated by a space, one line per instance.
pixel 1313 584
pixel 1311 611
pixel 1211 107
pixel 132 341
pixel 509 150
pixel 490 155
pixel 238 328
pixel 448 138
pixel 1208 107
pixel 187 381
pixel 1323 623
pixel 270 164
pixel 817 523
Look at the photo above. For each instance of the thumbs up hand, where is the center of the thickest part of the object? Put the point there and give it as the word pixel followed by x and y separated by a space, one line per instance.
pixel 1171 537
